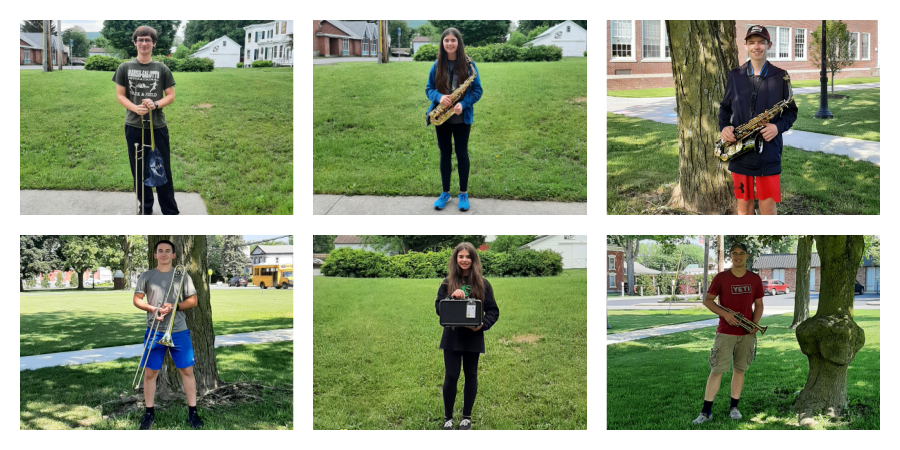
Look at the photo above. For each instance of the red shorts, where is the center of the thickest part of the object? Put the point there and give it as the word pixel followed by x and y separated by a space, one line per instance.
pixel 766 187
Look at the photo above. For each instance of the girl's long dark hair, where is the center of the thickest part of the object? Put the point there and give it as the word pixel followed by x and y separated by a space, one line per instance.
pixel 455 277
pixel 441 77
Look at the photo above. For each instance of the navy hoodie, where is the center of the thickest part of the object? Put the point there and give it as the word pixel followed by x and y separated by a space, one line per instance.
pixel 735 111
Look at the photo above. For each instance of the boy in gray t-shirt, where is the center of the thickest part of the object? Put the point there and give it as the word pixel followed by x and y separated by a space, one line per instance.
pixel 159 287
pixel 140 84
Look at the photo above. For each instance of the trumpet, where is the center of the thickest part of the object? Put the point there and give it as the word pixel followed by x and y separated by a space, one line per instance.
pixel 744 322
pixel 166 340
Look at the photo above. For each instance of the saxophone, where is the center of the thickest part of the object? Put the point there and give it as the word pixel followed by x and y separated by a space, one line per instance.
pixel 441 113
pixel 747 134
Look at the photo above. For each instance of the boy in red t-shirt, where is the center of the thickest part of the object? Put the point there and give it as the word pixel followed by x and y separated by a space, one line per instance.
pixel 740 291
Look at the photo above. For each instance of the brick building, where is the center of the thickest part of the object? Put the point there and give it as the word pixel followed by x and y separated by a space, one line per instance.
pixel 783 266
pixel 638 51
pixel 869 275
pixel 344 38
pixel 615 265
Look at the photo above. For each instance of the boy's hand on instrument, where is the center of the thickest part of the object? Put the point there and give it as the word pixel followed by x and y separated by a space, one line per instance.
pixel 141 109
pixel 457 109
pixel 732 320
pixel 458 294
pixel 727 134
pixel 147 103
pixel 755 330
pixel 446 101
pixel 769 132
pixel 475 329
pixel 164 310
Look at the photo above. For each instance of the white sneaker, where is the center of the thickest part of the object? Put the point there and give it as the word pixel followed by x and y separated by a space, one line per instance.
pixel 734 414
pixel 702 418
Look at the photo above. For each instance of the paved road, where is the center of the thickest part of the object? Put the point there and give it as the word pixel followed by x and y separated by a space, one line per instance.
pixel 778 300
pixel 375 205
pixel 134 351
pixel 39 202
pixel 662 109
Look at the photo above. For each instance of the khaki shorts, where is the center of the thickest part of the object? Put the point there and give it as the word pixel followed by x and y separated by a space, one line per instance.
pixel 742 349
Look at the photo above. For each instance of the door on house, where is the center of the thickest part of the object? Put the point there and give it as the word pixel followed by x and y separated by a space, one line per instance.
pixel 873 274
pixel 579 256
pixel 812 280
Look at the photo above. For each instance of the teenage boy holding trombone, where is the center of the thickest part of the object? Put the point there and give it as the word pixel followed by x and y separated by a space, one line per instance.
pixel 158 292
pixel 741 292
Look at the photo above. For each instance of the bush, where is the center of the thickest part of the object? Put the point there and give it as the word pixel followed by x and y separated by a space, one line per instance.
pixel 102 63
pixel 262 63
pixel 585 53
pixel 517 39
pixel 240 65
pixel 345 262
pixel 412 50
pixel 172 63
pixel 45 281
pixel 196 65
pixel 427 52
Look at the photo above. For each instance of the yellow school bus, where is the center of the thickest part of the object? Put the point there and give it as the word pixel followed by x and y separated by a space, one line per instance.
pixel 280 276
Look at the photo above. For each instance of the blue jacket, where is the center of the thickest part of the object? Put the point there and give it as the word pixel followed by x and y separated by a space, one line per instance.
pixel 472 95
pixel 735 110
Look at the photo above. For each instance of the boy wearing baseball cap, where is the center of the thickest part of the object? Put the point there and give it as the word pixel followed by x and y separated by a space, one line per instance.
pixel 750 90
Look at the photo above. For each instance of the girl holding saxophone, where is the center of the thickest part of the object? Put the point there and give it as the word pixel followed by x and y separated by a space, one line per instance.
pixel 452 70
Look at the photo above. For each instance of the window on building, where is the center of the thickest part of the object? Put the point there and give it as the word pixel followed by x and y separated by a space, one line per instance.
pixel 612 262
pixel 568 28
pixel 27 56
pixel 270 34
pixel 248 37
pixel 255 54
pixel 621 38
pixel 778 274
pixel 283 27
pixel 784 43
pixel 623 71
pixel 654 43
pixel 256 36
pixel 854 46
pixel 800 44
pixel 223 43
pixel 612 280
pixel 864 46
pixel 346 45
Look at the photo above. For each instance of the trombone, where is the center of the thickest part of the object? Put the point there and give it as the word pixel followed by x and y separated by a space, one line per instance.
pixel 139 155
pixel 746 323
pixel 177 274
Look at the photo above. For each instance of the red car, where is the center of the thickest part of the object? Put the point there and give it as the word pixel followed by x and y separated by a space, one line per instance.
pixel 773 287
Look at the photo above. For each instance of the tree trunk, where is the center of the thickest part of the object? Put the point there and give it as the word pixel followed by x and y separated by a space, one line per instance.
pixel 801 296
pixel 631 248
pixel 705 283
pixel 720 243
pixel 21 285
pixel 191 251
pixel 703 52
pixel 831 338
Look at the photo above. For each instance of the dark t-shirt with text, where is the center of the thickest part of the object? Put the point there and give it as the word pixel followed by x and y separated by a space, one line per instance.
pixel 144 81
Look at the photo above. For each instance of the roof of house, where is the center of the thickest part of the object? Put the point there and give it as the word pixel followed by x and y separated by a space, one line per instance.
pixel 356 29
pixel 640 269
pixel 35 39
pixel 614 248
pixel 212 43
pixel 422 39
pixel 553 28
pixel 782 261
pixel 348 239
pixel 536 240
pixel 276 248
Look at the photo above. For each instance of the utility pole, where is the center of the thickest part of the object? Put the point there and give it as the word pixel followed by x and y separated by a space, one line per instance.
pixel 45 43
pixel 59 39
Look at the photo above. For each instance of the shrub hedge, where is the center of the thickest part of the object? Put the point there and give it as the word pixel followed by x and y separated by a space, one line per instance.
pixel 345 262
pixel 196 65
pixel 102 63
pixel 687 284
pixel 498 53
pixel 261 63
pixel 109 64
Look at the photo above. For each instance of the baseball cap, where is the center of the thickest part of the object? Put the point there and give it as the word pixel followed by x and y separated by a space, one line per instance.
pixel 740 246
pixel 758 30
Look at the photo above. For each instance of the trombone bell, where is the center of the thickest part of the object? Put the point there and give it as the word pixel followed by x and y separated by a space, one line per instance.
pixel 166 340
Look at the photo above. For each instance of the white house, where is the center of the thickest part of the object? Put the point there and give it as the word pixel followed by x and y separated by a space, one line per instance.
pixel 572 247
pixel 223 51
pixel 419 41
pixel 568 36
pixel 272 254
pixel 269 41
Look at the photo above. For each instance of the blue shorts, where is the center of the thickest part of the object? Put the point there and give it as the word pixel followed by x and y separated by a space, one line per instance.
pixel 182 352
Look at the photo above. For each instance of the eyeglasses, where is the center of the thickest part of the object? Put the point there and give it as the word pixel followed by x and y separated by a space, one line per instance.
pixel 738 254
pixel 145 40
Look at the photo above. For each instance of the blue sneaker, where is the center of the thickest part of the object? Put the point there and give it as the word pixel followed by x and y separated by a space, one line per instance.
pixel 463 202
pixel 441 202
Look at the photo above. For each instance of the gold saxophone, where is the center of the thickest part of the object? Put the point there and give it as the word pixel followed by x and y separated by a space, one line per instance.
pixel 746 134
pixel 441 113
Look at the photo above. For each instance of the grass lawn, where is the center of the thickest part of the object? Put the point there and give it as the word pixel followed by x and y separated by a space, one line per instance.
pixel 629 320
pixel 78 397
pixel 71 320
pixel 377 365
pixel 670 92
pixel 231 135
pixel 642 169
pixel 658 383
pixel 528 141
pixel 858 116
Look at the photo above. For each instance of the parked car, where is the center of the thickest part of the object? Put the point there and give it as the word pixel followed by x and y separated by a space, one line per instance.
pixel 77 62
pixel 237 281
pixel 859 289
pixel 773 287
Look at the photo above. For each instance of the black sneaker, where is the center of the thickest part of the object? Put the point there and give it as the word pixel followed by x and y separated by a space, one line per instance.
pixel 194 420
pixel 448 424
pixel 465 424
pixel 147 421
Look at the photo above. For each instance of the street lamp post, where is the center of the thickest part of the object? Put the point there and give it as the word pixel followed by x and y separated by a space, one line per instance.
pixel 823 112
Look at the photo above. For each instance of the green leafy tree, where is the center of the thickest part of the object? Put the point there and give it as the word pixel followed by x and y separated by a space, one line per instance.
pixel 234 261
pixel 631 244
pixel 182 52
pixel 323 243
pixel 837 50
pixel 536 32
pixel 665 257
pixel 419 243
pixel 81 44
pixel 405 33
pixel 525 26
pixel 89 252
pixel 37 254
pixel 428 30
pixel 118 33
pixel 476 33
pixel 207 30
pixel 36 26
pixel 517 39
pixel 214 256
pixel 505 243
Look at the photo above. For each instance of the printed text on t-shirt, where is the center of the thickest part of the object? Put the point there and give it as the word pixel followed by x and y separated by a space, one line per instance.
pixel 741 289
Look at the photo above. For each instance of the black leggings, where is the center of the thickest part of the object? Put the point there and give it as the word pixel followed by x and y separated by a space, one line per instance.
pixel 452 362
pixel 460 133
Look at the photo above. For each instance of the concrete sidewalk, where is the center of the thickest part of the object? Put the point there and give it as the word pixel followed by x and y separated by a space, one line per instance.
pixel 134 351
pixel 662 109
pixel 324 204
pixel 679 327
pixel 37 202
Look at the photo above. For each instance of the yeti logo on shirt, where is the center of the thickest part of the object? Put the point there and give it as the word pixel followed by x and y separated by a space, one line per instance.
pixel 741 289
